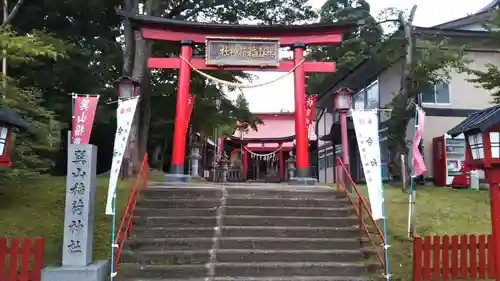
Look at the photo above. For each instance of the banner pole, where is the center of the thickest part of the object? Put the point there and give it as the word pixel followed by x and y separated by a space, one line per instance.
pixel 73 100
pixel 412 181
pixel 113 246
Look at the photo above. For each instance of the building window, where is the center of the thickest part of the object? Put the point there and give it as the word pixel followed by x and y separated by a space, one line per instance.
pixel 359 100
pixel 329 161
pixel 372 96
pixel 436 94
pixel 321 163
pixel 367 98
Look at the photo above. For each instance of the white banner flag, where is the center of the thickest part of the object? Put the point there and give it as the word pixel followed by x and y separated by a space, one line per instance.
pixel 124 115
pixel 366 127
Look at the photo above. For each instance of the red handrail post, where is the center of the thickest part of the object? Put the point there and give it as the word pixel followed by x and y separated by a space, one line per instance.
pixel 337 172
pixel 359 205
pixel 125 226
pixel 360 215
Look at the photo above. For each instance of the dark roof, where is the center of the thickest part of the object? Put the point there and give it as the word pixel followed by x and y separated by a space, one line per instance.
pixel 220 28
pixel 12 119
pixel 490 6
pixel 479 121
pixel 480 16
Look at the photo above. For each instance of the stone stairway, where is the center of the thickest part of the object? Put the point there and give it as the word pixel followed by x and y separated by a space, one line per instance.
pixel 244 233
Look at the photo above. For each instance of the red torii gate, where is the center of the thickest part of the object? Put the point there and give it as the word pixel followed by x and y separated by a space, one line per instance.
pixel 258 39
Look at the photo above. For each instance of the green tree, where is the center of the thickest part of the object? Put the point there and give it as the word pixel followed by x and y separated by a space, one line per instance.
pixel 356 43
pixel 489 78
pixel 33 148
pixel 434 62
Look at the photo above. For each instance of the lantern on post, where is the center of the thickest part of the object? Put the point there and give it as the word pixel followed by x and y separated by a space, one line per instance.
pixel 8 122
pixel 343 98
pixel 482 140
pixel 127 87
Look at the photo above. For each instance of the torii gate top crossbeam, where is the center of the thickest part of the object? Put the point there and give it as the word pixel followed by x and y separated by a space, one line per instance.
pixel 157 28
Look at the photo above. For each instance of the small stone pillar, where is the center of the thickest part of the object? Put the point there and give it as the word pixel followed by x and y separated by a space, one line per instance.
pixel 224 165
pixel 291 166
pixel 195 158
pixel 79 220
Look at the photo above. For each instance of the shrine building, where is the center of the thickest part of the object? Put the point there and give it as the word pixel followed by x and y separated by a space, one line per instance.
pixel 266 151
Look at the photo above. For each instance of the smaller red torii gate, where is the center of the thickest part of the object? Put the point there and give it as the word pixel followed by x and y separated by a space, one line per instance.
pixel 239 48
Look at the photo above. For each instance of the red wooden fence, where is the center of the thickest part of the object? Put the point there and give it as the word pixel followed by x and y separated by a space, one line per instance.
pixel 21 259
pixel 455 257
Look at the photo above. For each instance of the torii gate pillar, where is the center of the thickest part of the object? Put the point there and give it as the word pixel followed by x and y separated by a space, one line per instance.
pixel 181 113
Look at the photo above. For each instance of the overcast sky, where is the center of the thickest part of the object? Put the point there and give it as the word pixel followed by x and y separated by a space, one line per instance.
pixel 279 95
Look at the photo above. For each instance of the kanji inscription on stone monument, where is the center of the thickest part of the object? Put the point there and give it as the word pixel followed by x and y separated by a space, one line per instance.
pixel 80 196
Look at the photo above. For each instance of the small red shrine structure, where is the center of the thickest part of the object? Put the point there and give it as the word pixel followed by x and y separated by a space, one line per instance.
pixel 238 48
pixel 266 150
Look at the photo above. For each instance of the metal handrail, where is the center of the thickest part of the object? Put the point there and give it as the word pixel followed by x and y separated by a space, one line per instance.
pixel 125 227
pixel 359 206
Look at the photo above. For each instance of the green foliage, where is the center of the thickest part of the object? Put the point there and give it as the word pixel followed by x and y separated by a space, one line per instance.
pixel 433 63
pixel 33 148
pixel 241 102
pixel 356 44
pixel 489 78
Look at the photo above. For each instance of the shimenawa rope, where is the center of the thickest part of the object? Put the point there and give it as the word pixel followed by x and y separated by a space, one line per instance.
pixel 240 85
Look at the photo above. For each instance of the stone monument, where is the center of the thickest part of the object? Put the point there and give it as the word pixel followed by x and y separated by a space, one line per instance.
pixel 291 166
pixel 77 262
pixel 195 158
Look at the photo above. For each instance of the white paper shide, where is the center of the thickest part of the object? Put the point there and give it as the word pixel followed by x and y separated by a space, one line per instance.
pixel 366 127
pixel 124 115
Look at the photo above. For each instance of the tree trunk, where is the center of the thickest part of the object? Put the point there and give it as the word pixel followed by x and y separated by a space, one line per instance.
pixel 402 103
pixel 140 73
pixel 145 115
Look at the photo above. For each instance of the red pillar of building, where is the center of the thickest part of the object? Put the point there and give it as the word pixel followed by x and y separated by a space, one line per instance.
pixel 281 163
pixel 181 110
pixel 492 176
pixel 301 139
pixel 344 137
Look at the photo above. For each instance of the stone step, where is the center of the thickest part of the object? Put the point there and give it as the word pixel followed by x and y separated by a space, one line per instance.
pixel 287 202
pixel 254 269
pixel 174 221
pixel 289 211
pixel 247 231
pixel 171 244
pixel 267 243
pixel 285 192
pixel 252 255
pixel 247 210
pixel 131 270
pixel 291 232
pixel 290 269
pixel 163 192
pixel 172 232
pixel 294 278
pixel 288 221
pixel 179 212
pixel 186 221
pixel 273 243
pixel 178 203
pixel 166 257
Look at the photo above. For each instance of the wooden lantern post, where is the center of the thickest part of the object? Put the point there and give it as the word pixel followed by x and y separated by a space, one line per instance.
pixel 482 140
pixel 342 104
